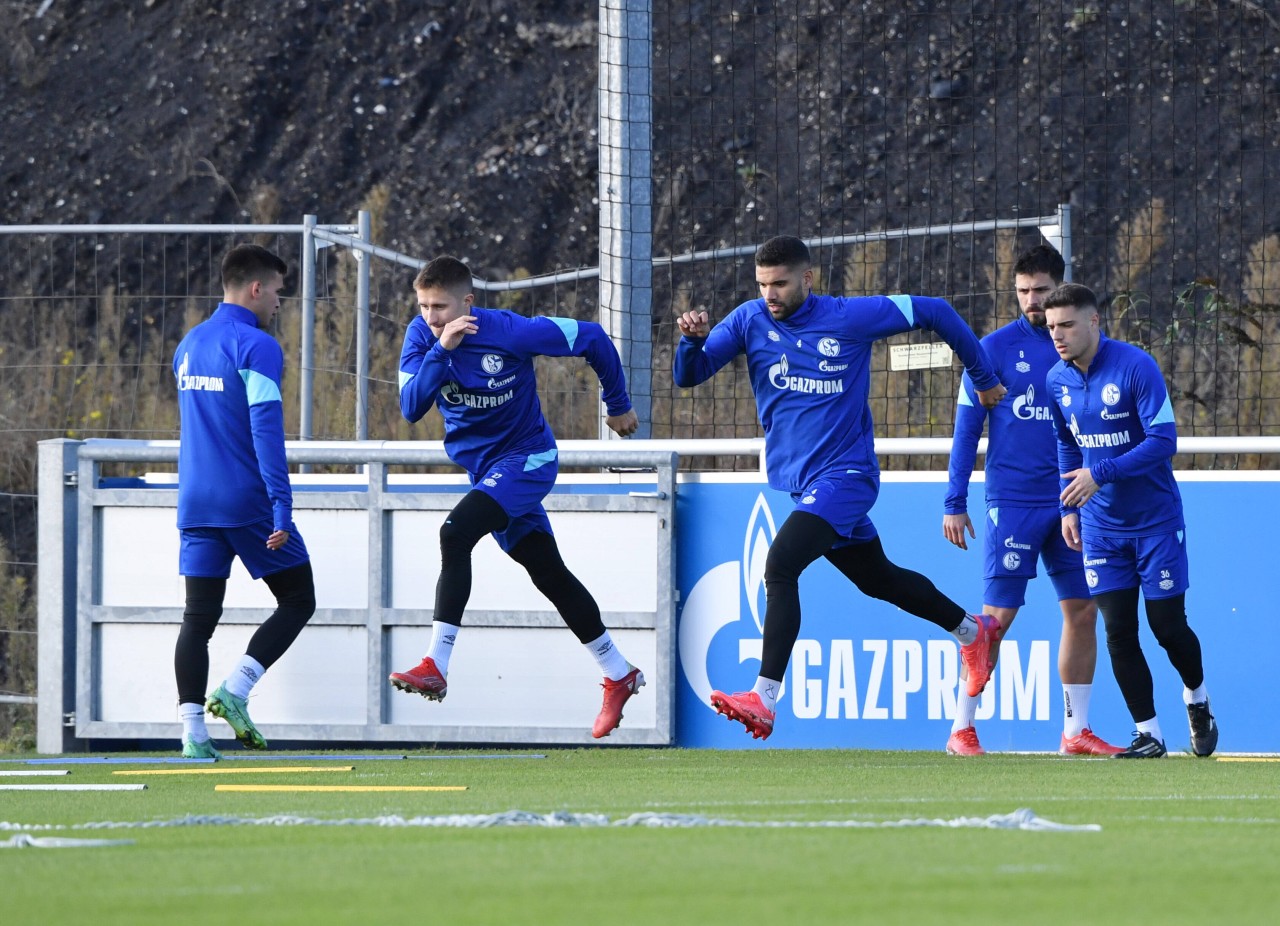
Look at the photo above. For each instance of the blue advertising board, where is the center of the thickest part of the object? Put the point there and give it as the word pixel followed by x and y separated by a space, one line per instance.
pixel 865 674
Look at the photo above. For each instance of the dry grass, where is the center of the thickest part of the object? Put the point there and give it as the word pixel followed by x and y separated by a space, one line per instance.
pixel 1000 275
pixel 1138 240
pixel 864 268
pixel 1262 272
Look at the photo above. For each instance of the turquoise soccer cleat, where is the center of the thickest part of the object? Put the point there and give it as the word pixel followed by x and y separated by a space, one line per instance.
pixel 203 749
pixel 234 711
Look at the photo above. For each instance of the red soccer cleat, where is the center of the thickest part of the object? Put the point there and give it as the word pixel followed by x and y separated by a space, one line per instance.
pixel 1086 743
pixel 746 708
pixel 424 679
pixel 965 743
pixel 616 694
pixel 979 657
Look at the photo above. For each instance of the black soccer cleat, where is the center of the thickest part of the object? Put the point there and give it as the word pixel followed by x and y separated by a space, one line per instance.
pixel 1204 729
pixel 1144 746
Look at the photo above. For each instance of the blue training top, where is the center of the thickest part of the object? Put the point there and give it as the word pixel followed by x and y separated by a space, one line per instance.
pixel 1022 446
pixel 811 374
pixel 231 463
pixel 485 387
pixel 1118 421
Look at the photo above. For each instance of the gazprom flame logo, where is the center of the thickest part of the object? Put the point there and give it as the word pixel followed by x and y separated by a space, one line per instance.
pixel 1025 408
pixel 778 373
pixel 755 550
pixel 717 598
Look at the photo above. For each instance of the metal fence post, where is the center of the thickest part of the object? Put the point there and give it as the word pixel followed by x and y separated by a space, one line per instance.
pixel 626 195
pixel 1064 223
pixel 56 606
pixel 364 226
pixel 308 326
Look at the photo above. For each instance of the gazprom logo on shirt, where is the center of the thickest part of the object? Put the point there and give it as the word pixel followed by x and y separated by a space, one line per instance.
pixel 1094 441
pixel 454 395
pixel 779 376
pixel 1024 407
pixel 197 383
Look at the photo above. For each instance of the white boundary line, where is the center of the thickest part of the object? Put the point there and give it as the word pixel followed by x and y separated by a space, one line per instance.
pixel 73 787
pixel 1021 819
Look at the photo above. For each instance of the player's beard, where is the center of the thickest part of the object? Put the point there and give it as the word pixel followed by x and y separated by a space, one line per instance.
pixel 789 308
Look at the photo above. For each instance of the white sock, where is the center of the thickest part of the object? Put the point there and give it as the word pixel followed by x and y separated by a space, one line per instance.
pixel 1075 715
pixel 193 722
pixel 966 710
pixel 443 636
pixel 607 656
pixel 1151 726
pixel 768 690
pixel 967 632
pixel 1199 696
pixel 244 676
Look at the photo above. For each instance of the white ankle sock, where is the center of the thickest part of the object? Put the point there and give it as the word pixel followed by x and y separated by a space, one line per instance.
pixel 607 656
pixel 1075 714
pixel 1151 726
pixel 443 636
pixel 192 716
pixel 768 691
pixel 1198 696
pixel 244 676
pixel 966 710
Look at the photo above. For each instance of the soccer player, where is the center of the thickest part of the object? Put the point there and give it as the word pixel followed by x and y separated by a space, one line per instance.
pixel 808 357
pixel 1023 525
pixel 476 366
pixel 1121 507
pixel 234 497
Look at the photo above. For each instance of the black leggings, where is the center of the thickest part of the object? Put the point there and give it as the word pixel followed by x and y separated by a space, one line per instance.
pixel 801 540
pixel 1167 618
pixel 478 514
pixel 295 593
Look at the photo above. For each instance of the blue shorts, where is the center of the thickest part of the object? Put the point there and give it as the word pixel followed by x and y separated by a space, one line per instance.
pixel 519 484
pixel 1158 563
pixel 844 501
pixel 207 552
pixel 1015 539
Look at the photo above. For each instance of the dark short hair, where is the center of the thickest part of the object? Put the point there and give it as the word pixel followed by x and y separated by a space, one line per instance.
pixel 1043 258
pixel 783 251
pixel 446 272
pixel 250 263
pixel 1071 296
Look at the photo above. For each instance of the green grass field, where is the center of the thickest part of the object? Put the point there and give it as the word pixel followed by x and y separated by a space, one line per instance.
pixel 1181 841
